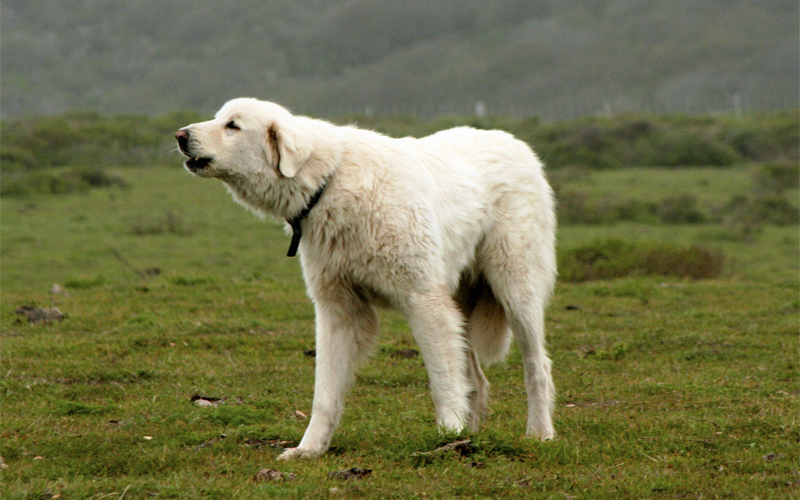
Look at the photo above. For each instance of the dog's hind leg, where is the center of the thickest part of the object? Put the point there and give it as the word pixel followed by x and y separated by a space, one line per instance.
pixel 522 275
pixel 346 332
pixel 528 326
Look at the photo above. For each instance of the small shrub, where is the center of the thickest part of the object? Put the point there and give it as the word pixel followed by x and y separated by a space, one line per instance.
pixel 746 216
pixel 692 147
pixel 50 181
pixel 14 159
pixel 766 137
pixel 775 178
pixel 613 258
pixel 776 210
pixel 99 178
pixel 681 209
pixel 576 207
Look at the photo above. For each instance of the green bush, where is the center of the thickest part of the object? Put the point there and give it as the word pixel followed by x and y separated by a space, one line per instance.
pixel 82 144
pixel 613 258
pixel 764 137
pixel 680 209
pixel 742 211
pixel 577 207
pixel 56 181
pixel 775 178
pixel 89 140
pixel 605 143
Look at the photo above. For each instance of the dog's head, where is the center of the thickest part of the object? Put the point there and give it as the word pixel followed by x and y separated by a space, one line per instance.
pixel 246 138
pixel 271 161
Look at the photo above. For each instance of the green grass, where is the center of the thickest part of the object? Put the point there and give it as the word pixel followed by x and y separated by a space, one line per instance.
pixel 712 186
pixel 709 184
pixel 666 387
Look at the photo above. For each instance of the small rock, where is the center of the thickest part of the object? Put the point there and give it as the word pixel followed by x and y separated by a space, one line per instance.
pixel 273 475
pixel 771 457
pixel 40 314
pixel 354 473
pixel 463 447
pixel 205 401
pixel 57 289
pixel 273 443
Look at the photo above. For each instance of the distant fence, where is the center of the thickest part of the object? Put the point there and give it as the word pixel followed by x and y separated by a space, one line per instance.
pixel 571 108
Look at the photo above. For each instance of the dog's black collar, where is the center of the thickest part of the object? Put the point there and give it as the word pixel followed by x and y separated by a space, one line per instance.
pixel 297 230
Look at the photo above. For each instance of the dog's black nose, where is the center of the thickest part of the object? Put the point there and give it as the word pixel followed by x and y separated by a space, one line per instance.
pixel 183 138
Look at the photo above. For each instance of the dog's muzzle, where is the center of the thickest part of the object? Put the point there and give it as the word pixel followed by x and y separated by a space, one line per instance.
pixel 194 163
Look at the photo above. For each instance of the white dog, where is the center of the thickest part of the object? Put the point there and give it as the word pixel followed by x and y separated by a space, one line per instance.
pixel 455 230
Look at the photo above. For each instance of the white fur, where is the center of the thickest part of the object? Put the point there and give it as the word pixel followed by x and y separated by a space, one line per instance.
pixel 455 230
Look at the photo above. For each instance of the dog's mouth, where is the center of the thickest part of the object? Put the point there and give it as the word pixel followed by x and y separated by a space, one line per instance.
pixel 195 164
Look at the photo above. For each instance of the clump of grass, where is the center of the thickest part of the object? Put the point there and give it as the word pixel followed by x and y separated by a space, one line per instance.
pixel 170 223
pixel 616 352
pixel 76 408
pixel 85 283
pixel 235 416
pixel 181 280
pixel 614 258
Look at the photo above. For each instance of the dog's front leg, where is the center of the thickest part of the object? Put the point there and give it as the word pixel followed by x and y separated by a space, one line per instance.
pixel 346 331
pixel 438 329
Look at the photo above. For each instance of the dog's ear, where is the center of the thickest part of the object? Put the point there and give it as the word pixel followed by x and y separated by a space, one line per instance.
pixel 286 148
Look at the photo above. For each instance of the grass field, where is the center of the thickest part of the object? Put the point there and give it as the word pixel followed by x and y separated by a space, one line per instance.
pixel 668 388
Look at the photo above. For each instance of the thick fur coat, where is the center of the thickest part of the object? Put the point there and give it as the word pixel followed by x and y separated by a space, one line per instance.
pixel 455 230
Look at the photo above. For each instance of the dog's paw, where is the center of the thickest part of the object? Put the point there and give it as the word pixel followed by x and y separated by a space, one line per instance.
pixel 542 435
pixel 293 453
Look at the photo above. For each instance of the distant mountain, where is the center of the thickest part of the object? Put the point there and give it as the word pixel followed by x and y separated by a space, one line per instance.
pixel 552 58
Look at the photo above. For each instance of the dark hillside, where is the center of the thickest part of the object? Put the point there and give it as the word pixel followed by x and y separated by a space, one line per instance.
pixel 552 59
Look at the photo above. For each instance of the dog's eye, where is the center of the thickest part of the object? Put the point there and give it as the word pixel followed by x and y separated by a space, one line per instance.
pixel 232 125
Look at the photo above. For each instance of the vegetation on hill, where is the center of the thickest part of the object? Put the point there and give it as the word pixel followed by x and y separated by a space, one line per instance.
pixel 91 140
pixel 78 151
pixel 557 59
